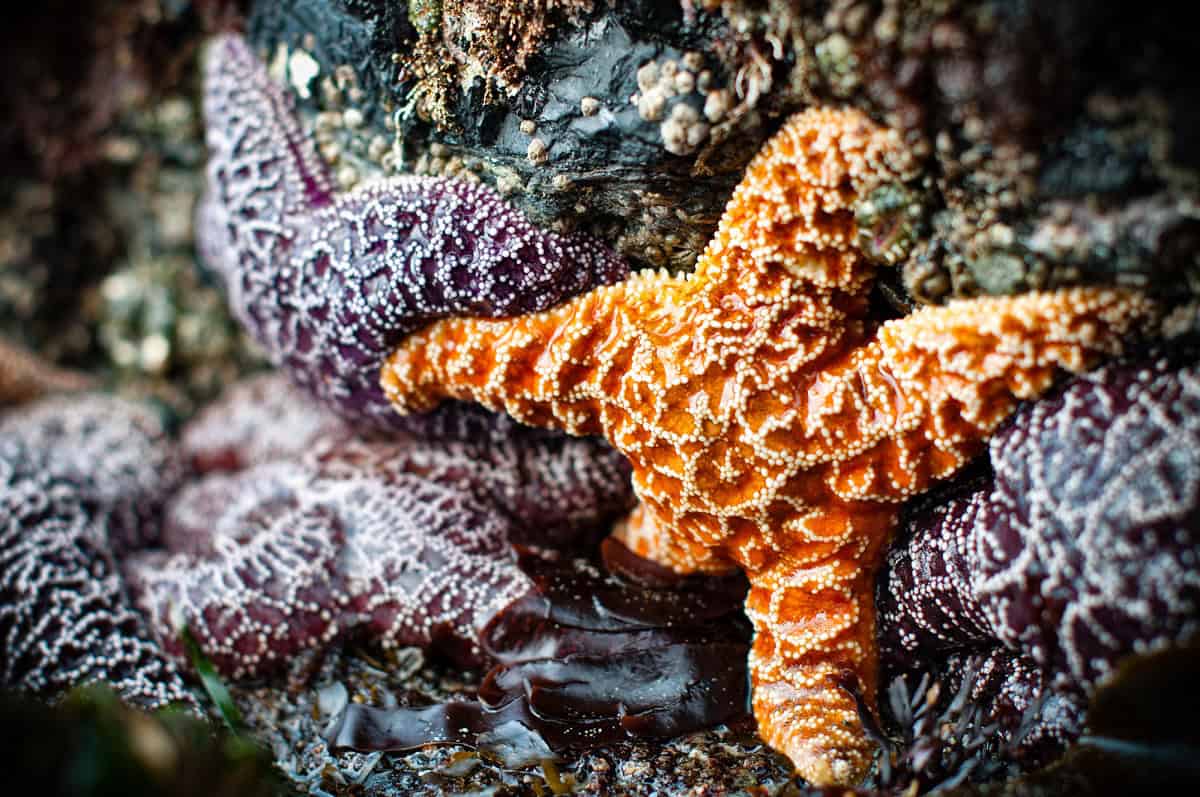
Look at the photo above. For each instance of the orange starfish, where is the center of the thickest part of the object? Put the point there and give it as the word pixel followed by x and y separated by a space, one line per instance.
pixel 769 425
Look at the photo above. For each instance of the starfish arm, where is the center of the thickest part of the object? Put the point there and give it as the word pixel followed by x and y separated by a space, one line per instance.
pixel 814 660
pixel 328 284
pixel 263 172
pixel 643 533
pixel 792 215
pixel 566 368
pixel 942 379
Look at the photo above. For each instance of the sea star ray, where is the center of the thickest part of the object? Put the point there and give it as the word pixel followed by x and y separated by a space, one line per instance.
pixel 1080 550
pixel 406 540
pixel 328 282
pixel 80 479
pixel 768 425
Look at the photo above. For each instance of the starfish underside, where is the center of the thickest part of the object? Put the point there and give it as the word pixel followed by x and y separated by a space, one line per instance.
pixel 769 425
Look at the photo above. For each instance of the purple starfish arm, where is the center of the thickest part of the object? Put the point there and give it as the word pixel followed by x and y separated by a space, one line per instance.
pixel 1087 549
pixel 552 487
pixel 328 284
pixel 550 491
pixel 926 596
pixel 931 620
pixel 1079 551
pixel 115 455
pixel 265 418
pixel 405 541
pixel 76 476
pixel 299 557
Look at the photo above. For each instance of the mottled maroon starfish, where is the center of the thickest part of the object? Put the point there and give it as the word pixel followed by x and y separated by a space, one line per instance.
pixel 328 283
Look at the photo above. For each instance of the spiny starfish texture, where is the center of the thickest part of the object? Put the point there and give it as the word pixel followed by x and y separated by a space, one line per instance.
pixel 327 283
pixel 75 475
pixel 261 419
pixel 931 621
pixel 1083 548
pixel 945 727
pixel 115 454
pixel 769 424
pixel 406 541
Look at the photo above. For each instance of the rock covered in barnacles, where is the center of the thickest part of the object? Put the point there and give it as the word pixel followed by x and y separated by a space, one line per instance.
pixel 1079 551
pixel 1038 175
pixel 328 283
pixel 76 476
pixel 626 123
pixel 405 541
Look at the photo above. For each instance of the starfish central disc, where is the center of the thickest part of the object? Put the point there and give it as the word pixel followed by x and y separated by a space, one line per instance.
pixel 770 426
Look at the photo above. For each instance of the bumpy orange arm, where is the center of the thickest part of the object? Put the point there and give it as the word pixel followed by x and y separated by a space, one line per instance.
pixel 940 380
pixel 933 385
pixel 814 653
pixel 555 368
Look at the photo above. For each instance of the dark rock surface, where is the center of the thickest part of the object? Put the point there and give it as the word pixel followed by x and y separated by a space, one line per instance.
pixel 1056 149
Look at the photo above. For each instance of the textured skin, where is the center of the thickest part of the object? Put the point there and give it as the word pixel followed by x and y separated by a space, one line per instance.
pixel 404 541
pixel 926 595
pixel 767 424
pixel 71 472
pixel 930 618
pixel 1081 551
pixel 261 419
pixel 116 455
pixel 328 284
pixel 1097 507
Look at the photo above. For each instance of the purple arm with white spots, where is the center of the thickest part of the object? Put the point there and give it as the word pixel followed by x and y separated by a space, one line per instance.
pixel 1081 550
pixel 405 541
pixel 79 479
pixel 329 283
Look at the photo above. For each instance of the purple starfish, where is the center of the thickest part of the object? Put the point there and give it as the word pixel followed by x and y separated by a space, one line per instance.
pixel 1081 550
pixel 327 283
pixel 261 419
pixel 115 454
pixel 79 477
pixel 406 541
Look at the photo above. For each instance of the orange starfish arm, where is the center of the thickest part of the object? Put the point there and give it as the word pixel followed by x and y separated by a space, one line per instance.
pixel 814 646
pixel 782 272
pixel 554 368
pixel 933 385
